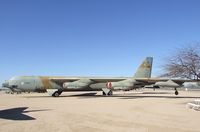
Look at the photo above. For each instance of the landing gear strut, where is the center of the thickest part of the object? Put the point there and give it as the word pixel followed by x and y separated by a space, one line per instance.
pixel 107 92
pixel 176 91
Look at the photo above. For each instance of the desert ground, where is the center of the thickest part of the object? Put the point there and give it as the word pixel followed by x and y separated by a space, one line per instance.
pixel 138 111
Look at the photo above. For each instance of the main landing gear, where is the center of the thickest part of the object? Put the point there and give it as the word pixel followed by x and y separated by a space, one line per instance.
pixel 107 92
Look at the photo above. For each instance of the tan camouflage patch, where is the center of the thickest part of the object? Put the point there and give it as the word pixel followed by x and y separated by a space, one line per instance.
pixel 145 65
pixel 46 82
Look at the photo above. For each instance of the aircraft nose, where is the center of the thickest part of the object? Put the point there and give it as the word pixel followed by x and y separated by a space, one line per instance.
pixel 5 84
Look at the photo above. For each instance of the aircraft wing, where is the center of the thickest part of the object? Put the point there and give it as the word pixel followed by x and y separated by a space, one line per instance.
pixel 94 79
pixel 154 80
pixel 146 81
pixel 106 84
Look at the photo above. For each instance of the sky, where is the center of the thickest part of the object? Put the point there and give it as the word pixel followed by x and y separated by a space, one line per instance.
pixel 92 37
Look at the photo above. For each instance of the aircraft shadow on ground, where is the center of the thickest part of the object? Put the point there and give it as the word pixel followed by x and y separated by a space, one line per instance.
pixel 156 93
pixel 124 96
pixel 138 97
pixel 132 96
pixel 117 95
pixel 76 95
pixel 17 114
pixel 166 97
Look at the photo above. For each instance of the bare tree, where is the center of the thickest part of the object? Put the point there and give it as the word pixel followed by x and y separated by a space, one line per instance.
pixel 185 63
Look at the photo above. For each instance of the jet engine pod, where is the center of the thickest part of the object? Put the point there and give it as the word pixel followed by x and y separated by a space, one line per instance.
pixel 65 84
pixel 74 85
pixel 168 83
pixel 79 84
pixel 98 85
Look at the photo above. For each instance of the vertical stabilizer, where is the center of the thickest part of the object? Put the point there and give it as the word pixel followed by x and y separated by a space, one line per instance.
pixel 144 71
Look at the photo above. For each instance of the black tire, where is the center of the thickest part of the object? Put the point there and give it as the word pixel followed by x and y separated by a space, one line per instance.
pixel 60 92
pixel 56 94
pixel 176 92
pixel 110 92
pixel 103 93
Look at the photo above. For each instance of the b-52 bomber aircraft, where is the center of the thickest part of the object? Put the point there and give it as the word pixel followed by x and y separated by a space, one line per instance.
pixel 56 85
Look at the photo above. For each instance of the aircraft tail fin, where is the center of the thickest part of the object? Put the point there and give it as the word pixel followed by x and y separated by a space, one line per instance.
pixel 144 70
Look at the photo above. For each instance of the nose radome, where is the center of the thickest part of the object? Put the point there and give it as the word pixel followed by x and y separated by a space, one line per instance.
pixel 5 84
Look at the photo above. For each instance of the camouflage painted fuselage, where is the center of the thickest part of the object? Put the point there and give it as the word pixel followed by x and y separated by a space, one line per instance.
pixel 32 83
pixel 42 83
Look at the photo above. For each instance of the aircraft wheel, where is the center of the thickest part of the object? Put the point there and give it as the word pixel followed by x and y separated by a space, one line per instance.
pixel 110 93
pixel 176 92
pixel 60 92
pixel 103 93
pixel 56 94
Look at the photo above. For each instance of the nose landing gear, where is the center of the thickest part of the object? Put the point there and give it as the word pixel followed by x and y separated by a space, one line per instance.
pixel 54 92
pixel 57 94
